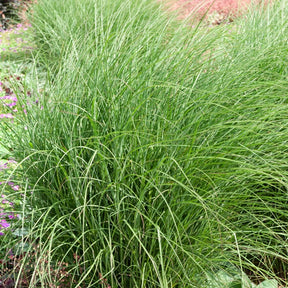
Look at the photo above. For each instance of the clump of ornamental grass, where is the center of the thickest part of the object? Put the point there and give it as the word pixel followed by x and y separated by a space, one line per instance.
pixel 160 154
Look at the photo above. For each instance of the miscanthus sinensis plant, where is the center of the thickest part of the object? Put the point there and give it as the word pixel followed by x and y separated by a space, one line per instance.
pixel 159 158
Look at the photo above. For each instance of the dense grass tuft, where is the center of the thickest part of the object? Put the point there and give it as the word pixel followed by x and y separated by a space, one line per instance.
pixel 160 154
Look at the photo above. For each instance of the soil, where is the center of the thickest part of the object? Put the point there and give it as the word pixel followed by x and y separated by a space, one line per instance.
pixel 215 11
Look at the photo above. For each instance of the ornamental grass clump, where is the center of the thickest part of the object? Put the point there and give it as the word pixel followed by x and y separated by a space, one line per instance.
pixel 159 156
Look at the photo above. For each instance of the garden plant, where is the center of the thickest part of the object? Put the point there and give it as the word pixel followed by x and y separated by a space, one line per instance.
pixel 145 151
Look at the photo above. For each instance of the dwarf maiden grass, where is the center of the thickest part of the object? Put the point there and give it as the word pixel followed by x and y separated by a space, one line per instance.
pixel 159 155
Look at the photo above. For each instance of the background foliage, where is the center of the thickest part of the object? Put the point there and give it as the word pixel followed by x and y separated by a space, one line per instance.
pixel 10 11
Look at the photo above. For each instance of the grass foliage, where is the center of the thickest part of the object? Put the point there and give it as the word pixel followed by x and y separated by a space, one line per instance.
pixel 160 154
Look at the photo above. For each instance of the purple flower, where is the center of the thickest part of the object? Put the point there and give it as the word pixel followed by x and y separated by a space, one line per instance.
pixel 4 223
pixel 9 97
pixel 4 201
pixel 13 186
pixel 16 187
pixel 8 115
pixel 3 166
pixel 10 104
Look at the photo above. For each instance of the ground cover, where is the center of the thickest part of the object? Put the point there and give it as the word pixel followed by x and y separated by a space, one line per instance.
pixel 15 100
pixel 14 48
pixel 158 158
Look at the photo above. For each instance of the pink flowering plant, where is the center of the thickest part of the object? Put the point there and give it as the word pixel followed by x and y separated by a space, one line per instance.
pixel 12 111
pixel 6 215
pixel 11 195
pixel 8 102
pixel 10 200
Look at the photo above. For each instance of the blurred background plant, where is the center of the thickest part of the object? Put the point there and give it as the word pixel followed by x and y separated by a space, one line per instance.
pixel 12 11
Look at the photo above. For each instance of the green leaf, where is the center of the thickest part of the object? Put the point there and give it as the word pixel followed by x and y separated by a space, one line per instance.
pixel 228 280
pixel 20 232
pixel 268 284
pixel 3 152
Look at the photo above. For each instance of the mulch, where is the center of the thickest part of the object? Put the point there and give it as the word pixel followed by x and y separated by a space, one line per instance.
pixel 220 9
